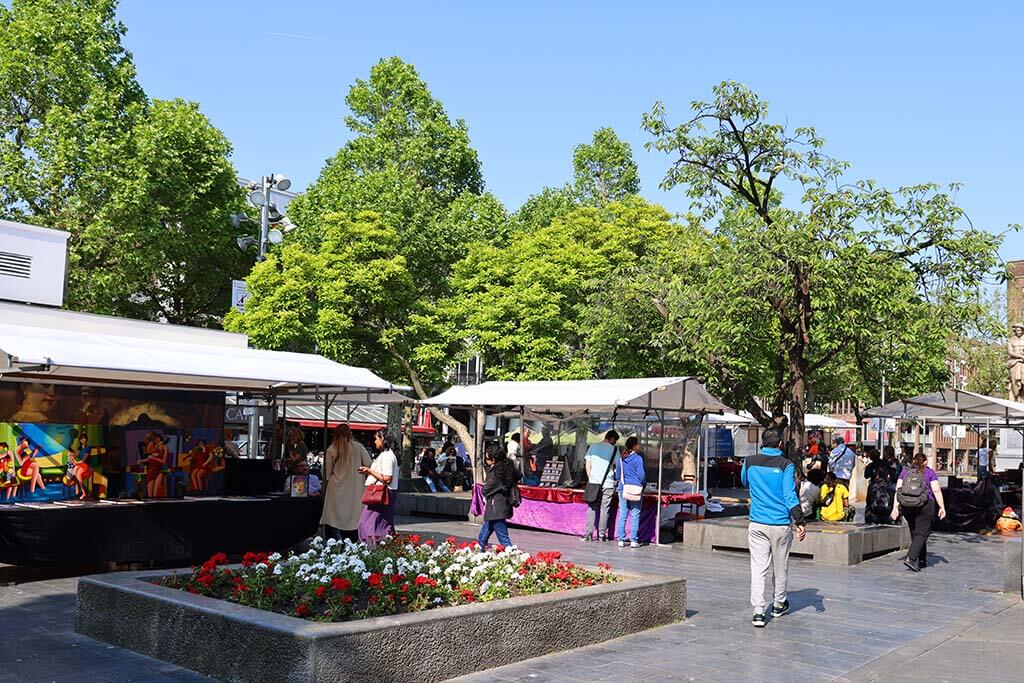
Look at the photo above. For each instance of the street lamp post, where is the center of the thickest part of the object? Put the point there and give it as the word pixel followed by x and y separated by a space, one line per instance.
pixel 259 196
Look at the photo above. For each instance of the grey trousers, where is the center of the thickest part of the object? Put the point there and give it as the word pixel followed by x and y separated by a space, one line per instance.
pixel 769 545
pixel 597 515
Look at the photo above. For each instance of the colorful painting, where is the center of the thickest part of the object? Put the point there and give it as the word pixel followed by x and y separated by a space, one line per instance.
pixel 52 462
pixel 59 442
pixel 202 459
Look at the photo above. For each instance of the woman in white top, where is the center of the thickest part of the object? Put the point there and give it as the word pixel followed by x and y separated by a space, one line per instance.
pixel 378 521
pixel 343 486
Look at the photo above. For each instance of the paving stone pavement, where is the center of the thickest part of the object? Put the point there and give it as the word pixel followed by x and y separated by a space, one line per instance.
pixel 873 621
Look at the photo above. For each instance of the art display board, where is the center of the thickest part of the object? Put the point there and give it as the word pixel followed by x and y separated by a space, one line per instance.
pixel 75 441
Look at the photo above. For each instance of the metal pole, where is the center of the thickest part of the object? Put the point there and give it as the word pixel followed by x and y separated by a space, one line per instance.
pixel 661 467
pixel 264 217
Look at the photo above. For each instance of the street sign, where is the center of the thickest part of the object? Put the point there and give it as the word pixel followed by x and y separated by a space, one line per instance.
pixel 239 293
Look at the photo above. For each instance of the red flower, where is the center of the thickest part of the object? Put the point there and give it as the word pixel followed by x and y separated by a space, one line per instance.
pixel 320 590
pixel 341 584
pixel 549 556
pixel 205 579
pixel 397 578
pixel 431 542
pixel 468 595
pixel 414 539
pixel 405 588
pixel 372 599
pixel 602 565
pixel 302 609
pixel 268 591
pixel 450 540
pixel 219 558
pixel 348 599
pixel 377 580
pixel 190 589
pixel 499 548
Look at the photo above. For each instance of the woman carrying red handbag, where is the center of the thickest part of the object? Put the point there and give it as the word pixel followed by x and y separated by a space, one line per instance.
pixel 381 493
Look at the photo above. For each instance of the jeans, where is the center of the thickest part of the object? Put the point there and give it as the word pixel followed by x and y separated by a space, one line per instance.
pixel 769 545
pixel 920 522
pixel 631 509
pixel 497 526
pixel 435 485
pixel 597 515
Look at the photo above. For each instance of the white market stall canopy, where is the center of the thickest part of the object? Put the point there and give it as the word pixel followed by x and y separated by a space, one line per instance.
pixel 52 354
pixel 592 396
pixel 817 421
pixel 731 420
pixel 954 406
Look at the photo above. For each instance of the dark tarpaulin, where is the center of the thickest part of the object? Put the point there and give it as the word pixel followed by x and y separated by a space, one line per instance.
pixel 165 531
pixel 971 509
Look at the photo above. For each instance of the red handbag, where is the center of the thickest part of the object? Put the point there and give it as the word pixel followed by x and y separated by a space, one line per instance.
pixel 377 494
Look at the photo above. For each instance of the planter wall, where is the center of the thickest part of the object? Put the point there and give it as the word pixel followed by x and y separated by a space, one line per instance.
pixel 237 643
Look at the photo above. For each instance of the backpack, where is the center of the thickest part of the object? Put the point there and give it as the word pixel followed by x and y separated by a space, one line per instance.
pixel 515 496
pixel 914 492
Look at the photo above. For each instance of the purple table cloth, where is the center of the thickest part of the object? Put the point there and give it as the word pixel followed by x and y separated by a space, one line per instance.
pixel 567 518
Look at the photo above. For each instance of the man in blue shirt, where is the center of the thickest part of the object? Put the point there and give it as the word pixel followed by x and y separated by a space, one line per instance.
pixel 774 509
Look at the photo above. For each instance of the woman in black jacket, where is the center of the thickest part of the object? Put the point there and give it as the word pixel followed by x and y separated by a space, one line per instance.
pixel 502 477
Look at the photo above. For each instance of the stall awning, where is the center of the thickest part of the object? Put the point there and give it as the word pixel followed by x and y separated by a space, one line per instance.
pixel 678 394
pixel 49 354
pixel 366 416
pixel 954 406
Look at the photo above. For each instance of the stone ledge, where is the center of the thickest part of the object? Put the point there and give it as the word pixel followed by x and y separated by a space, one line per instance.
pixel 237 643
pixel 1013 584
pixel 842 544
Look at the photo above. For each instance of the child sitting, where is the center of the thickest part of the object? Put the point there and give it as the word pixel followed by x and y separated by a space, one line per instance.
pixel 835 500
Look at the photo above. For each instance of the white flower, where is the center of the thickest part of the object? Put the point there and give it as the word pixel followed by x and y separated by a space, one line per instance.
pixel 274 557
pixel 278 569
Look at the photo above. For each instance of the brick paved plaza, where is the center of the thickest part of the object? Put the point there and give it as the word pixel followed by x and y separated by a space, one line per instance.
pixel 866 622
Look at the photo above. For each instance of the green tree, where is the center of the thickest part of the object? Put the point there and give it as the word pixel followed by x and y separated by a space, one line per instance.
pixel 70 102
pixel 145 189
pixel 352 298
pixel 604 170
pixel 176 260
pixel 783 299
pixel 409 163
pixel 414 168
pixel 525 307
pixel 540 209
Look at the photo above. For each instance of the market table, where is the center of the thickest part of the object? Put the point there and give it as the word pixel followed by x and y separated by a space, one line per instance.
pixel 563 510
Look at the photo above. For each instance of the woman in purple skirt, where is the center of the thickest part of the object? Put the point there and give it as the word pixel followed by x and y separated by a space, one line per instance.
pixel 378 521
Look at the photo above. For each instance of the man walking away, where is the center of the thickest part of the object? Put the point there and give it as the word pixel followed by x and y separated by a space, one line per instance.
pixel 841 461
pixel 600 463
pixel 774 505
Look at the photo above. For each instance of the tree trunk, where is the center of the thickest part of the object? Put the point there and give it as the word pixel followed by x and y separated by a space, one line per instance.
pixel 438 414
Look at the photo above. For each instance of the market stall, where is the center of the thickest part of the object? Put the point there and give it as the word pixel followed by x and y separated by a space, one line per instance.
pixel 656 409
pixel 102 418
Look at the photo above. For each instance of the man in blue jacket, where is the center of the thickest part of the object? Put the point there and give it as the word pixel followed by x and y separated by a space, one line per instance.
pixel 774 509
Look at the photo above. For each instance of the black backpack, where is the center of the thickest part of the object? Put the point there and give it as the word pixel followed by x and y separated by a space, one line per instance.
pixel 914 492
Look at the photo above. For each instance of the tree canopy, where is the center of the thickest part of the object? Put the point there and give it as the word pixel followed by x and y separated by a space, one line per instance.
pixel 413 166
pixel 144 188
pixel 604 170
pixel 783 299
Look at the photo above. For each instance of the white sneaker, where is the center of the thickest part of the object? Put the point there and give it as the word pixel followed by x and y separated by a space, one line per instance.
pixel 622 544
pixel 634 544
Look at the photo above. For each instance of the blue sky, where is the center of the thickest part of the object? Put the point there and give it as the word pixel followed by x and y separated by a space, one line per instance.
pixel 907 91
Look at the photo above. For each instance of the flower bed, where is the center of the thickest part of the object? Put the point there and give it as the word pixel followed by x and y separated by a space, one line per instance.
pixel 343 581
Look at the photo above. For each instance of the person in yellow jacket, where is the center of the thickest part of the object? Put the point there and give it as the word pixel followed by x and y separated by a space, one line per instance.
pixel 835 499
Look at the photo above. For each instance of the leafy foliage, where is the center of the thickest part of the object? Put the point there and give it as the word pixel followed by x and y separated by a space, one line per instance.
pixel 604 170
pixel 779 300
pixel 144 188
pixel 525 307
pixel 414 167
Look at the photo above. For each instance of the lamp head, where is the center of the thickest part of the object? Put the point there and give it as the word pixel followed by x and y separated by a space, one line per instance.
pixel 282 182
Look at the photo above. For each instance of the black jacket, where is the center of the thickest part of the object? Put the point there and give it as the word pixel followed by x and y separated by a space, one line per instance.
pixel 501 477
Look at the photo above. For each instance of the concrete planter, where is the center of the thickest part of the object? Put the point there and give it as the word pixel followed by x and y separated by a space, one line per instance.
pixel 237 643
